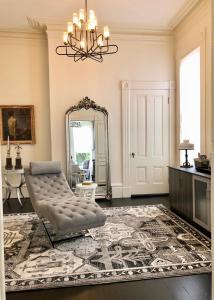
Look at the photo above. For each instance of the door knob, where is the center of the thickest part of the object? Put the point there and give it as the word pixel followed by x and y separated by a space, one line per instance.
pixel 133 154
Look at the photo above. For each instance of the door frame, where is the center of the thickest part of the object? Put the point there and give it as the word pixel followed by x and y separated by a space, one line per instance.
pixel 127 86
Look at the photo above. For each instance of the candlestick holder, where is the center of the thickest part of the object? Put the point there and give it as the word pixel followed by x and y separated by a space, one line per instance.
pixel 18 164
pixel 9 165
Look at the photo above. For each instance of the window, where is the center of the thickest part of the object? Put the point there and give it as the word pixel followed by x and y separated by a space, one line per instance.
pixel 190 102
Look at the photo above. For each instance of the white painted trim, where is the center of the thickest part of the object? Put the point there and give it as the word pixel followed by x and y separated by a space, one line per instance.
pixel 185 10
pixel 22 34
pixel 2 277
pixel 127 86
pixel 117 190
pixel 147 85
pixel 143 37
pixel 120 191
pixel 58 25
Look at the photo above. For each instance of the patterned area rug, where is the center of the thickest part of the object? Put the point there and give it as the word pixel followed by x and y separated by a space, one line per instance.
pixel 136 243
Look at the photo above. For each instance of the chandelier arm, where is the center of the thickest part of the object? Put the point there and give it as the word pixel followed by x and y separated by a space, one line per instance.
pixel 105 52
pixel 110 47
pixel 86 34
pixel 76 59
pixel 96 59
pixel 59 47
pixel 66 52
pixel 79 51
pixel 75 30
pixel 74 48
pixel 112 52
pixel 91 48
pixel 77 56
pixel 100 47
pixel 81 32
pixel 95 33
pixel 93 41
pixel 74 38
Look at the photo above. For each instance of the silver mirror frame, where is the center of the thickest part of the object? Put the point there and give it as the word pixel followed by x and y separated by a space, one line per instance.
pixel 86 103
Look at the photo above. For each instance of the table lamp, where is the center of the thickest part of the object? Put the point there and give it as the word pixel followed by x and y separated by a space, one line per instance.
pixel 186 145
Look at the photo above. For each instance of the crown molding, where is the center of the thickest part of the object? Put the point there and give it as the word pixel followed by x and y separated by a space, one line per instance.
pixel 36 25
pixel 41 25
pixel 184 11
pixel 60 24
pixel 143 37
pixel 22 33
pixel 45 24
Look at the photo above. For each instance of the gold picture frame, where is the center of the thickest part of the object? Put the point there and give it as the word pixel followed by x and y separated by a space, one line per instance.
pixel 17 122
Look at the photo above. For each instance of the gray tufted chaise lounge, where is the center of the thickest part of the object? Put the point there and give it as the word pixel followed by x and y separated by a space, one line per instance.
pixel 53 200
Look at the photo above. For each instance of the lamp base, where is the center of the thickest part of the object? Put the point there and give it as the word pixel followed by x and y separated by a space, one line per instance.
pixel 186 166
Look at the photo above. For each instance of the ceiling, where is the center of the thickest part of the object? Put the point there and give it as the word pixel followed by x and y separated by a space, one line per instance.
pixel 134 14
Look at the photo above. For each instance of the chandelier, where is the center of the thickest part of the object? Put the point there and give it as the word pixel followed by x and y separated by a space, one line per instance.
pixel 83 40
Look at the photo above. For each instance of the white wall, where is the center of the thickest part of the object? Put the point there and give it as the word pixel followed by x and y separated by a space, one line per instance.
pixel 23 81
pixel 192 32
pixel 139 58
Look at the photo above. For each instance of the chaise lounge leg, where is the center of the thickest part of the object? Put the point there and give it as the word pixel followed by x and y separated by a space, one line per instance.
pixel 49 237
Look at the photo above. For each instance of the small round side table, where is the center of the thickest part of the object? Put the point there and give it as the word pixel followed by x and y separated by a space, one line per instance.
pixel 17 187
pixel 86 190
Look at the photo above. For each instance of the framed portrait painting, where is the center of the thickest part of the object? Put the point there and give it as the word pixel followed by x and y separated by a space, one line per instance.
pixel 17 122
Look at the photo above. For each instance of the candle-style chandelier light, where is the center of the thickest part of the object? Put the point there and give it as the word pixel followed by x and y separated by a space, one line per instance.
pixel 83 40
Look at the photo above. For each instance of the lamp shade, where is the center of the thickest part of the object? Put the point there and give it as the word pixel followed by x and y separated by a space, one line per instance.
pixel 186 145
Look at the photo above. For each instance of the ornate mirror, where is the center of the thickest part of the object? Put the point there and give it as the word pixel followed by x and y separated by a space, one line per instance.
pixel 88 146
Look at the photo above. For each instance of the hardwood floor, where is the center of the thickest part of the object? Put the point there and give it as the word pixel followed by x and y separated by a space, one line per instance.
pixel 195 287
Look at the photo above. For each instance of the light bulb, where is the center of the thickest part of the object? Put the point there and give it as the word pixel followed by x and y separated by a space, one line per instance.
pixel 91 25
pixel 82 44
pixel 70 27
pixel 95 21
pixel 106 32
pixel 100 41
pixel 91 14
pixel 75 19
pixel 81 14
pixel 65 37
pixel 79 24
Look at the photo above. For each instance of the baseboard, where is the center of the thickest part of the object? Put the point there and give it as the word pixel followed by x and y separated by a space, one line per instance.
pixel 120 191
pixel 150 195
pixel 117 190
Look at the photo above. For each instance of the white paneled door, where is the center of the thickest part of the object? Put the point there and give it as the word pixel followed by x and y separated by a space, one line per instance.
pixel 149 141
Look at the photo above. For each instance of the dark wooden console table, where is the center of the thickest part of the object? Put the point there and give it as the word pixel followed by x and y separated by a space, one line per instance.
pixel 190 194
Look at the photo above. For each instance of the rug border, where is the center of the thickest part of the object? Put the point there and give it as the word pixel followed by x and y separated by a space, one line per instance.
pixel 81 282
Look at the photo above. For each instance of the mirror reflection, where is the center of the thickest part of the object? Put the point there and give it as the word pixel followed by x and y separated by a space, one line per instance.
pixel 87 146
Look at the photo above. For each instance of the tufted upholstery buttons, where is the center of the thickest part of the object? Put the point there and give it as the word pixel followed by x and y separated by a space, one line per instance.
pixel 53 199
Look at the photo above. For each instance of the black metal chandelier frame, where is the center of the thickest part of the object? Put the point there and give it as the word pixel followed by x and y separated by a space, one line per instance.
pixel 93 48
